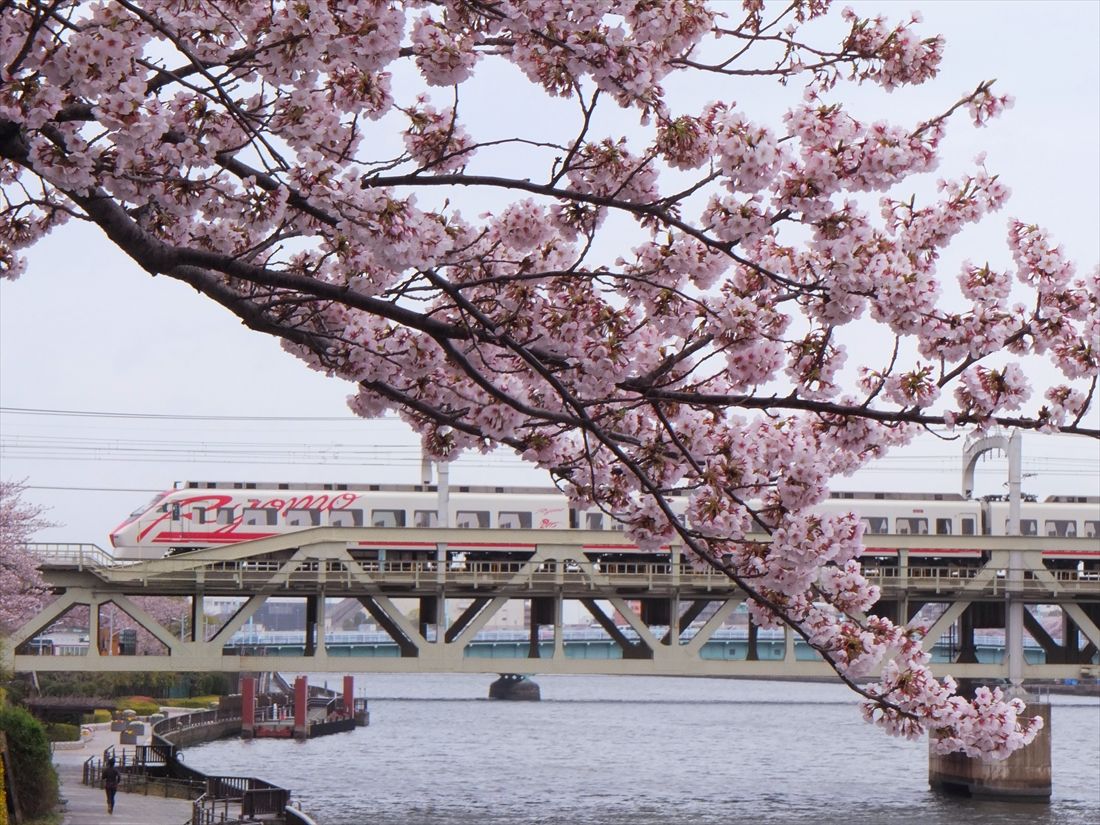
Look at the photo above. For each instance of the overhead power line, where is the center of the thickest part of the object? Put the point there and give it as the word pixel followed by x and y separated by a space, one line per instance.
pixel 92 489
pixel 171 416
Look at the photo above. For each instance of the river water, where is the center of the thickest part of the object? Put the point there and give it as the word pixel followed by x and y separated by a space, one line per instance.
pixel 605 750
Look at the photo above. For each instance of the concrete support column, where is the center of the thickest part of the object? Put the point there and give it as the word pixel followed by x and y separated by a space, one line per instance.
pixel 559 641
pixel 93 628
pixel 752 654
pixel 248 706
pixel 311 625
pixel 533 633
pixel 301 707
pixel 196 634
pixel 1026 775
pixel 1071 640
pixel 1014 609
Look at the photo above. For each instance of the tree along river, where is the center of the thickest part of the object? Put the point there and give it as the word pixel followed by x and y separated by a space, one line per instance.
pixel 606 750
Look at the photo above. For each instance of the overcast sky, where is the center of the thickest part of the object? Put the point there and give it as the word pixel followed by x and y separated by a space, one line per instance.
pixel 197 396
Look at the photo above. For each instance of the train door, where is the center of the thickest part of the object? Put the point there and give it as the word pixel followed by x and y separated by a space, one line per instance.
pixel 966 524
pixel 173 527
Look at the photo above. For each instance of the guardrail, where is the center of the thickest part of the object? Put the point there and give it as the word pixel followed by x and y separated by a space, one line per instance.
pixel 242 575
pixel 946 578
pixel 255 797
pixel 79 554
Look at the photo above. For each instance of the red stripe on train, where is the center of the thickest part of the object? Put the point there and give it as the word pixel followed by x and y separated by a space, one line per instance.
pixel 212 538
pixel 946 551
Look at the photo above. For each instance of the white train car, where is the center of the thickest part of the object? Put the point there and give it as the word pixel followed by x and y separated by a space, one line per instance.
pixel 916 514
pixel 207 514
pixel 1064 516
pixel 210 514
pixel 1056 517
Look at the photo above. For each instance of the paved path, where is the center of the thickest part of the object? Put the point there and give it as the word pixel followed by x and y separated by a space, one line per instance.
pixel 88 806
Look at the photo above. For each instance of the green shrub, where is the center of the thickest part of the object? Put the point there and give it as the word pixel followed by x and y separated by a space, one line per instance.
pixel 32 770
pixel 60 732
pixel 101 715
pixel 200 702
pixel 203 684
pixel 141 705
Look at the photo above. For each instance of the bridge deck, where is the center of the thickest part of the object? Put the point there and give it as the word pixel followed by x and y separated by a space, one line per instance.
pixel 634 602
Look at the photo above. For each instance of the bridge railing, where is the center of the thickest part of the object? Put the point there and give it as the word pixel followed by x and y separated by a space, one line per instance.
pixel 948 578
pixel 71 553
pixel 307 573
pixel 577 575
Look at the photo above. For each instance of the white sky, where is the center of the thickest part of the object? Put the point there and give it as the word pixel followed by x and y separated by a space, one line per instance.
pixel 86 330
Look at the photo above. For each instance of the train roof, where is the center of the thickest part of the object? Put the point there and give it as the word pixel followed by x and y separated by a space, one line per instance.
pixel 836 495
pixel 881 496
pixel 356 487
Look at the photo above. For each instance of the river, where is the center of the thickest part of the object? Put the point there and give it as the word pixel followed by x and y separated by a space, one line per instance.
pixel 606 750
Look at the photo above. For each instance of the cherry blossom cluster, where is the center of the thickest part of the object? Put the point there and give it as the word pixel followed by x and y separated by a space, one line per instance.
pixel 652 297
pixel 22 589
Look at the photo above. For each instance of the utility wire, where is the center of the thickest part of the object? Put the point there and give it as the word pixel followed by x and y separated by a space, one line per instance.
pixel 173 416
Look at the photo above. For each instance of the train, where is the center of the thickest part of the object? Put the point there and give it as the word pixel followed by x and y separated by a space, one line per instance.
pixel 200 514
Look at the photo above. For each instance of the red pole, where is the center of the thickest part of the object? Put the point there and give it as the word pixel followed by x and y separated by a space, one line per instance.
pixel 301 705
pixel 349 702
pixel 248 706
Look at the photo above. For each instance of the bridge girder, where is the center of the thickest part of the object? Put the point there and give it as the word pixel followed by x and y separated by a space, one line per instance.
pixel 321 563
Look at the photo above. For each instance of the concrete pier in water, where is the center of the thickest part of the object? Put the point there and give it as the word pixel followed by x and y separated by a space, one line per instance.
pixel 1024 776
pixel 515 687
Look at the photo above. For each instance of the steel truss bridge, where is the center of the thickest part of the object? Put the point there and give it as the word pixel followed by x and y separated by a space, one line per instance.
pixel 659 615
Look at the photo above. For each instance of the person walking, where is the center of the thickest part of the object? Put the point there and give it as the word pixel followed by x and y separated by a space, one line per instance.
pixel 111 778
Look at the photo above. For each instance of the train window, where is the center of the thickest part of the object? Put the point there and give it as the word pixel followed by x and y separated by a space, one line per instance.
pixel 943 527
pixel 472 518
pixel 225 515
pixel 259 516
pixel 387 518
pixel 1061 527
pixel 593 521
pixel 574 518
pixel 198 515
pixel 514 519
pixel 1092 529
pixel 1028 527
pixel 875 525
pixel 303 518
pixel 968 526
pixel 345 518
pixel 425 518
pixel 913 526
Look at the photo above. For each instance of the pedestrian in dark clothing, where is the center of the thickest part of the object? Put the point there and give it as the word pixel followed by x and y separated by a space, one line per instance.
pixel 111 778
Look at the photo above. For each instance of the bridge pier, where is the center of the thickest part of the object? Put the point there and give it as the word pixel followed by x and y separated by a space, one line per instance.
pixel 515 687
pixel 1024 776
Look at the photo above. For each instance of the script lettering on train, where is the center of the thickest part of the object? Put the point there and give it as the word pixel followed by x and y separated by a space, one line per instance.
pixel 186 508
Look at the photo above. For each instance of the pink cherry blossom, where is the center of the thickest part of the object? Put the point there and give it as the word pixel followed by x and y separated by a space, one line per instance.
pixel 662 302
pixel 22 588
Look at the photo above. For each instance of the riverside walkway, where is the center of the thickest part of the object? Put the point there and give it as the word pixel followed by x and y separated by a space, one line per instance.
pixel 85 805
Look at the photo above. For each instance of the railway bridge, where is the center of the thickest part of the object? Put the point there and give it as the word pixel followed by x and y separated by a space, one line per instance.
pixel 659 616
